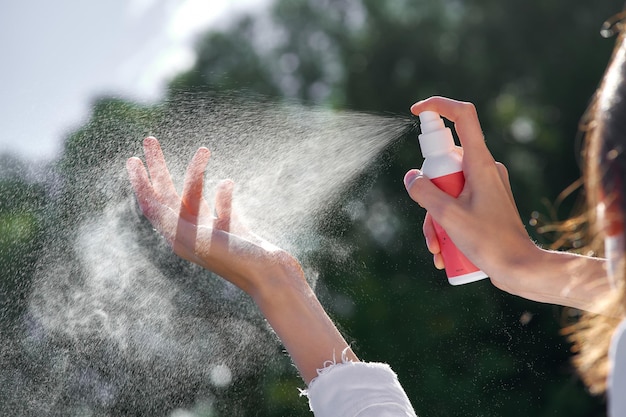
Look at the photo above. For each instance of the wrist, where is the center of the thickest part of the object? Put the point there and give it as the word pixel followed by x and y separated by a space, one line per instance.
pixel 557 277
pixel 516 269
pixel 545 277
pixel 283 277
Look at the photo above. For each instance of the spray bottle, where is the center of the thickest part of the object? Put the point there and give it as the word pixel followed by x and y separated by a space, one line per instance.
pixel 442 165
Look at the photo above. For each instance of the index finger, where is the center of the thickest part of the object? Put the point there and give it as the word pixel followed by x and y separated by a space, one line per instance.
pixel 465 119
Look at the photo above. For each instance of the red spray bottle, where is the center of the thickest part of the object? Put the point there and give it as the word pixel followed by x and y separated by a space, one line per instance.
pixel 442 165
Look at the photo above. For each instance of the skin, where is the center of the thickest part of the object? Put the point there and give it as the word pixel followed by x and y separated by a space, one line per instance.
pixel 220 243
pixel 486 207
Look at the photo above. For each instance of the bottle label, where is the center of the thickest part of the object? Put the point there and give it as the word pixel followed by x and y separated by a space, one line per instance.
pixel 456 263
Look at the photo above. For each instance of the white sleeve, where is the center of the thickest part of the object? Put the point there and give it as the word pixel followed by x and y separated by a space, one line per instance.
pixel 617 377
pixel 358 389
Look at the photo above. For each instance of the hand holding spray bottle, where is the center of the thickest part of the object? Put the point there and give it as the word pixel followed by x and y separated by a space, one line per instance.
pixel 442 165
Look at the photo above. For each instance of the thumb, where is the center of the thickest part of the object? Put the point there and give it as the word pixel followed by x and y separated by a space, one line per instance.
pixel 426 194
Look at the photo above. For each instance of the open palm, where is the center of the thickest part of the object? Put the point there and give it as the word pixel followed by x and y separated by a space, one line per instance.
pixel 218 242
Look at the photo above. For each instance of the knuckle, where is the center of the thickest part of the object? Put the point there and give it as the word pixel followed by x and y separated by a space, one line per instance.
pixel 468 108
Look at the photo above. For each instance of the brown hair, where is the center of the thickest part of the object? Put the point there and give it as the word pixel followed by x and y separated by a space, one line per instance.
pixel 604 173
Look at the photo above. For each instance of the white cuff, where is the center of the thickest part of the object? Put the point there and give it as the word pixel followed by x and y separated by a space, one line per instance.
pixel 358 389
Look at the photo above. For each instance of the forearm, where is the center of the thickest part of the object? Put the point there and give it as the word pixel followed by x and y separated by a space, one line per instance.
pixel 562 278
pixel 309 335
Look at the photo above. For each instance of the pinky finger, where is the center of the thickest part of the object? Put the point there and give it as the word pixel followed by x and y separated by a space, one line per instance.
pixel 141 184
pixel 438 261
pixel 430 236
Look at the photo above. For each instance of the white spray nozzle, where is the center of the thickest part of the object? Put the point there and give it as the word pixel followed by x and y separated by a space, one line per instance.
pixel 436 137
pixel 430 121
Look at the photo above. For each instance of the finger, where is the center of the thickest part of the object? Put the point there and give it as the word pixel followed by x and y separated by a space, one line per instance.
pixel 141 184
pixel 432 243
pixel 226 219
pixel 159 174
pixel 160 216
pixel 438 261
pixel 194 182
pixel 466 124
pixel 504 177
pixel 426 194
pixel 223 205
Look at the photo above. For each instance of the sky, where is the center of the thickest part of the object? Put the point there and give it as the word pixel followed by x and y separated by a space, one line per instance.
pixel 58 56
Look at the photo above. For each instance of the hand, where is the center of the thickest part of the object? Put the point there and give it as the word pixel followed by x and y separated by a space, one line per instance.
pixel 485 225
pixel 217 242
pixel 221 244
pixel 483 221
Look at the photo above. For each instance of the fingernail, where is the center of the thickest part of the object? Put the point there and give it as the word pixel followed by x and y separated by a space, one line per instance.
pixel 410 176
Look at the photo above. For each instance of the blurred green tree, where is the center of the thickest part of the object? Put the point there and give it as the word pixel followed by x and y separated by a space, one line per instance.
pixel 21 225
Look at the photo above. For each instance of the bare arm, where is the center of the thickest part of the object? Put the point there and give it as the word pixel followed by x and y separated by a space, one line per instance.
pixel 485 224
pixel 271 276
pixel 560 278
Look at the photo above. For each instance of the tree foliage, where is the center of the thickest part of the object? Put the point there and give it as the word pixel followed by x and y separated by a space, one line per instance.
pixel 529 66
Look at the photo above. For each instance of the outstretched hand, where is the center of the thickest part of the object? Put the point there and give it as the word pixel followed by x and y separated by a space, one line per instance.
pixel 223 245
pixel 218 242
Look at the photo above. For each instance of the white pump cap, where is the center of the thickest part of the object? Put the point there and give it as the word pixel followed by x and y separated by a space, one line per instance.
pixel 435 137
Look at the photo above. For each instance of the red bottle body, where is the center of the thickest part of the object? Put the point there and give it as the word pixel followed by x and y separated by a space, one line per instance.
pixel 443 166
